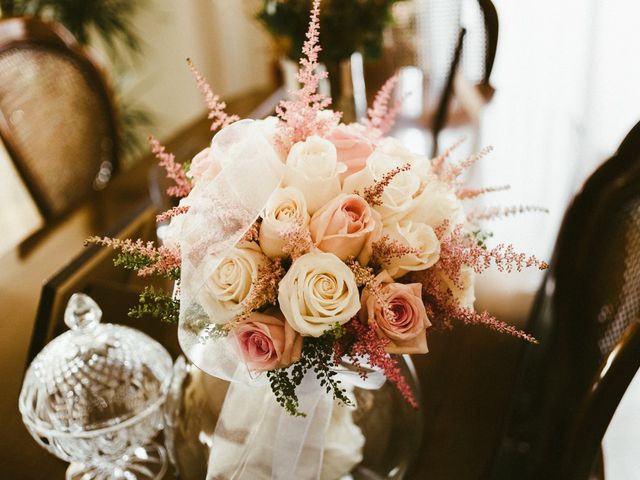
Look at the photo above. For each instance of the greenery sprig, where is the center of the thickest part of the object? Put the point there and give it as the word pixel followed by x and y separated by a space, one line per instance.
pixel 138 261
pixel 158 304
pixel 317 355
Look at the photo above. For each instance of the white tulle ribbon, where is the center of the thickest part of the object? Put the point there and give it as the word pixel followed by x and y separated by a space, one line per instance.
pixel 255 437
pixel 221 211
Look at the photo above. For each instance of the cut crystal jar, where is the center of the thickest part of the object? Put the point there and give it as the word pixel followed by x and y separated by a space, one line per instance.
pixel 94 397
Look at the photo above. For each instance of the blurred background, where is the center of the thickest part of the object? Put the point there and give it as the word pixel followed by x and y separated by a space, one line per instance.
pixel 552 86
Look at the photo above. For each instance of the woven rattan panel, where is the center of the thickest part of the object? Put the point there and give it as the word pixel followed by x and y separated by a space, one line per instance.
pixel 617 287
pixel 59 126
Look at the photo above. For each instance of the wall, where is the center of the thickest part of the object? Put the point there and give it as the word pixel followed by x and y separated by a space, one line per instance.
pixel 223 40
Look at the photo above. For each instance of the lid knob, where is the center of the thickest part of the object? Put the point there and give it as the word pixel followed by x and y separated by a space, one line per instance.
pixel 82 313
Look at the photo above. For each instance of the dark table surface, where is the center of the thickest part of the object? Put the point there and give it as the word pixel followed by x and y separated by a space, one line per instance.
pixel 465 378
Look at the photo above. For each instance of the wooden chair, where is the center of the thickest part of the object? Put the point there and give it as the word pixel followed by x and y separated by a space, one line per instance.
pixel 586 318
pixel 57 119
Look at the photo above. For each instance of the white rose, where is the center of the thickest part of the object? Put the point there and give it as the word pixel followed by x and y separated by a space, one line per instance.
pixel 436 203
pixel 397 197
pixel 230 283
pixel 285 207
pixel 318 291
pixel 313 168
pixel 415 235
pixel 465 296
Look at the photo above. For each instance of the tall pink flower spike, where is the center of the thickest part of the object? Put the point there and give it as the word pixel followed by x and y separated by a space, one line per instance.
pixel 175 171
pixel 382 115
pixel 300 114
pixel 216 107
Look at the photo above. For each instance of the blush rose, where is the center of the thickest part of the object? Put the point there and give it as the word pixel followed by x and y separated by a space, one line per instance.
pixel 352 146
pixel 405 325
pixel 266 341
pixel 346 227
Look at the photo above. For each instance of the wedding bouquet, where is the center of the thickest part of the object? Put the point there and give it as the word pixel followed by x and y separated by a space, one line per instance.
pixel 300 242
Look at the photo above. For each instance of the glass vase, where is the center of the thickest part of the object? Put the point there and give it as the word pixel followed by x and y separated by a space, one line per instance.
pixel 378 438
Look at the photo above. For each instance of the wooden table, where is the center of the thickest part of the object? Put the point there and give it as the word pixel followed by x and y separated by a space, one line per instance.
pixel 465 378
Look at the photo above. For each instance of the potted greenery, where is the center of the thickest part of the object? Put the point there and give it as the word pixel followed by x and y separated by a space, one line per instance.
pixel 348 26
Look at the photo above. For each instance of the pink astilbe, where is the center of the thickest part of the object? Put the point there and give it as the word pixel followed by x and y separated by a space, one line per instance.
pixel 450 173
pixel 264 290
pixel 382 115
pixel 470 317
pixel 438 163
pixel 297 241
pixel 506 259
pixel 148 259
pixel 172 212
pixel 469 193
pixel 491 213
pixel 253 234
pixel 366 278
pixel 458 249
pixel 368 345
pixel 301 114
pixel 443 309
pixel 219 117
pixel 386 249
pixel 174 170
pixel 373 194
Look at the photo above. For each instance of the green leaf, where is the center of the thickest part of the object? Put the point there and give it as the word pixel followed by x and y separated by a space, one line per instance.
pixel 158 304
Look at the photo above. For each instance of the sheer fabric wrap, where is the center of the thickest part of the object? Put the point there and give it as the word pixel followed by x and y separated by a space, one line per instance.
pixel 221 211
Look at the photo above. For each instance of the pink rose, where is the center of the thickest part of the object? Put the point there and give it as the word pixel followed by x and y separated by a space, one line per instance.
pixel 406 328
pixel 346 227
pixel 204 166
pixel 267 342
pixel 353 147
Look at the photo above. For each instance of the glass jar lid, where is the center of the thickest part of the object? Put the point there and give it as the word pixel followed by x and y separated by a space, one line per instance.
pixel 94 376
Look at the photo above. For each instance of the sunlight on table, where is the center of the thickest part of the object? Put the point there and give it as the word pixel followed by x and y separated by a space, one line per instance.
pixel 19 216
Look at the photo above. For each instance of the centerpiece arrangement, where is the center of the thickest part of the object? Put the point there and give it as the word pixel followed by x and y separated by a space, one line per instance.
pixel 304 249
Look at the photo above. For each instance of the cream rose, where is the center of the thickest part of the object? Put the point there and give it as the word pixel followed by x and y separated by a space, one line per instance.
pixel 285 208
pixel 464 293
pixel 405 325
pixel 398 197
pixel 312 167
pixel 418 236
pixel 346 227
pixel 266 341
pixel 231 282
pixel 436 203
pixel 318 291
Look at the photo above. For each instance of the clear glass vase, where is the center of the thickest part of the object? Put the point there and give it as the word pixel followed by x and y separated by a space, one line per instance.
pixel 383 431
